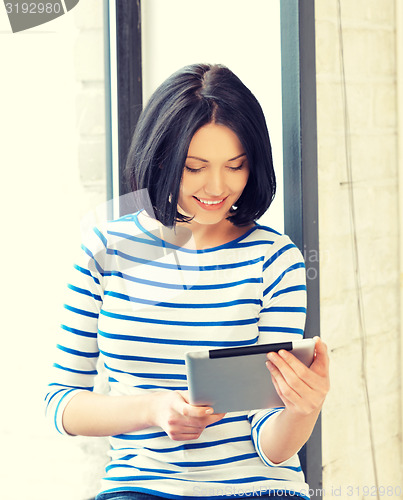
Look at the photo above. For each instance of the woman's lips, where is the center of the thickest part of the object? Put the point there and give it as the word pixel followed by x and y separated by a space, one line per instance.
pixel 210 204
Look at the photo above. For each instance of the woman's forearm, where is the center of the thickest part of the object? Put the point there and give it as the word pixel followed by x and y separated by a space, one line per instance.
pixel 91 414
pixel 285 433
pixel 303 391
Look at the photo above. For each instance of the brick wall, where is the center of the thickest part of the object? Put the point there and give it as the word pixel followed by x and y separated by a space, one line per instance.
pixel 368 32
pixel 90 113
pixel 53 168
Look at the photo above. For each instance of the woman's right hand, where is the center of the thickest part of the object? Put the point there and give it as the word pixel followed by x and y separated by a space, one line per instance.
pixel 179 419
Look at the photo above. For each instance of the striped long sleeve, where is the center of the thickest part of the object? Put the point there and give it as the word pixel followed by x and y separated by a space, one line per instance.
pixel 139 303
pixel 77 351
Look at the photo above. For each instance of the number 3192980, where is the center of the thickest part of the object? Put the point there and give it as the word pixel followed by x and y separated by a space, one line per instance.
pixel 33 8
pixel 374 491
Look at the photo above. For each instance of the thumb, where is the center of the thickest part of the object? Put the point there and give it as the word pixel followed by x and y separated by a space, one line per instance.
pixel 181 402
pixel 184 395
pixel 321 361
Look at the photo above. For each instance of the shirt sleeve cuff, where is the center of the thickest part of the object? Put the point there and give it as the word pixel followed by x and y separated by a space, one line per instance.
pixel 61 406
pixel 258 422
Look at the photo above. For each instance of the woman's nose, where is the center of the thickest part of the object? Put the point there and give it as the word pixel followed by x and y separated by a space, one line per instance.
pixel 215 184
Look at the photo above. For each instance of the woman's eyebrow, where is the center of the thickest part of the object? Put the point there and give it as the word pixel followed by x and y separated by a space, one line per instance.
pixel 206 161
pixel 197 158
pixel 236 157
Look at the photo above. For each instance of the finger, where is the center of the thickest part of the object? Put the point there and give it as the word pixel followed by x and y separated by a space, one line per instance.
pixel 180 436
pixel 182 427
pixel 285 401
pixel 294 373
pixel 321 362
pixel 287 394
pixel 197 411
pixel 219 416
pixel 187 410
pixel 184 395
pixel 299 385
pixel 191 428
pixel 317 375
pixel 212 419
pixel 291 366
pixel 188 437
pixel 181 403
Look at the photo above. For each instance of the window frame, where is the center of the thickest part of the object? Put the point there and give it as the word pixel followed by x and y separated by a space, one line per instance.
pixel 300 171
pixel 123 65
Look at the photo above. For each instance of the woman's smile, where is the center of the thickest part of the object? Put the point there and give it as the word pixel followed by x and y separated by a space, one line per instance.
pixel 210 204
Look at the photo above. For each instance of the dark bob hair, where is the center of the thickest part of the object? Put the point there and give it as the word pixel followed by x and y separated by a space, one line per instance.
pixel 192 97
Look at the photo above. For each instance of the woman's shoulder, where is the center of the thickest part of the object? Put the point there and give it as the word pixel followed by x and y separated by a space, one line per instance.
pixel 97 236
pixel 275 243
pixel 269 236
pixel 121 227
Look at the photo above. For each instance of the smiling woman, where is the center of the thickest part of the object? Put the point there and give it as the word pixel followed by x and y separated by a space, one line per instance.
pixel 215 175
pixel 202 151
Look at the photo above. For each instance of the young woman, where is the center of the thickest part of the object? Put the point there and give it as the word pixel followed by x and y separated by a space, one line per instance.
pixel 192 270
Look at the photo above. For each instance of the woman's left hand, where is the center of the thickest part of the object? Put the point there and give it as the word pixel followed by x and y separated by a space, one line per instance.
pixel 303 390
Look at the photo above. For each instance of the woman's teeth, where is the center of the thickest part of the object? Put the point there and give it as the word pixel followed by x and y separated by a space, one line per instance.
pixel 209 202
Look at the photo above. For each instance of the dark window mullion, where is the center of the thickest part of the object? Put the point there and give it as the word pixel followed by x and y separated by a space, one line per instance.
pixel 300 174
pixel 129 78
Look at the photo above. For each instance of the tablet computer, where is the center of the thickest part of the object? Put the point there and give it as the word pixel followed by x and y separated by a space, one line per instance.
pixel 236 378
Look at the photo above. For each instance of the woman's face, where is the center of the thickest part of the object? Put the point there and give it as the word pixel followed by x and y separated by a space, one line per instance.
pixel 215 174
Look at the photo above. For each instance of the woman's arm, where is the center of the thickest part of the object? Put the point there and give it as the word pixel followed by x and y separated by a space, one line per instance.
pixel 71 404
pixel 92 414
pixel 303 391
pixel 282 432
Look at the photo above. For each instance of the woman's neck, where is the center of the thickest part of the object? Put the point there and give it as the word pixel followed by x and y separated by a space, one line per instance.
pixel 214 235
pixel 196 236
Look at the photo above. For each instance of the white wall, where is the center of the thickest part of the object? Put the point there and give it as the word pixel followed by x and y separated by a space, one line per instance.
pixel 43 197
pixel 361 322
pixel 243 36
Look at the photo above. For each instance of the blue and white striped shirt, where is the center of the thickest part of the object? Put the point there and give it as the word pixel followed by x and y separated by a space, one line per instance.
pixel 139 303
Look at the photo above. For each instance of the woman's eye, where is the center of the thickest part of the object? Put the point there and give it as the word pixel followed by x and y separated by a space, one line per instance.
pixel 239 167
pixel 193 170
